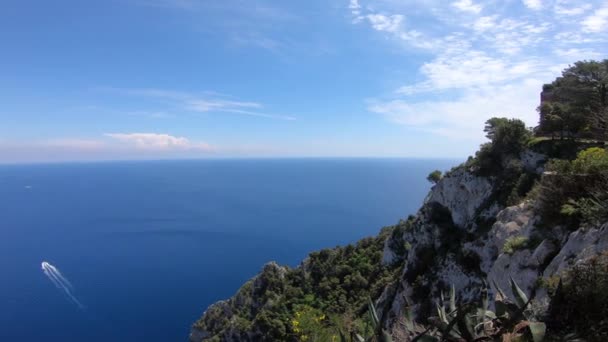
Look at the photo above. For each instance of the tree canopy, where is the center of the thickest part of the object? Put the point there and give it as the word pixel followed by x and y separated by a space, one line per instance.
pixel 576 103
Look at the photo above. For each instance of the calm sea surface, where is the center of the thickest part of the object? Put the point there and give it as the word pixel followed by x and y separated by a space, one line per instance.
pixel 146 246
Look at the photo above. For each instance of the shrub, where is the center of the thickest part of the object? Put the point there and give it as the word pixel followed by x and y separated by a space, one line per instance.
pixel 434 176
pixel 580 303
pixel 508 139
pixel 592 161
pixel 515 243
pixel 575 192
pixel 513 320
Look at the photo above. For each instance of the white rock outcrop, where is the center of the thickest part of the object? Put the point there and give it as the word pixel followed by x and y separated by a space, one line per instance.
pixel 462 193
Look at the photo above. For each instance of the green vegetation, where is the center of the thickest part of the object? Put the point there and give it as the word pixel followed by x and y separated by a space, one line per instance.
pixel 311 302
pixel 576 104
pixel 330 296
pixel 580 302
pixel 508 139
pixel 473 321
pixel 515 243
pixel 501 158
pixel 575 192
pixel 434 176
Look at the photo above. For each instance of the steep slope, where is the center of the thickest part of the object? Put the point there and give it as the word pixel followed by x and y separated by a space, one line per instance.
pixel 465 235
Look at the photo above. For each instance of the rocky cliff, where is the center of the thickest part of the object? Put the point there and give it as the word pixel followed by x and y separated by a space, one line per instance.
pixel 465 235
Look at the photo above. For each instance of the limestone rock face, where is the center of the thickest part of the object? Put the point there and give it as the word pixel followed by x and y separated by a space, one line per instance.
pixel 440 253
pixel 457 238
pixel 533 161
pixel 462 193
pixel 443 253
pixel 580 245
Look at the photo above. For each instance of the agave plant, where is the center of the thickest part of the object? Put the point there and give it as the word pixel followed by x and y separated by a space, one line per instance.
pixel 378 335
pixel 471 322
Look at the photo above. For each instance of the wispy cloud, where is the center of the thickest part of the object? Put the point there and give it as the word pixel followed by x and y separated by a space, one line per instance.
pixel 598 21
pixel 533 4
pixel 568 9
pixel 159 142
pixel 480 59
pixel 109 146
pixel 467 6
pixel 387 23
pixel 205 102
pixel 241 24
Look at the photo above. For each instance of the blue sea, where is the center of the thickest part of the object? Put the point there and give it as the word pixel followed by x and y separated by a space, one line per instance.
pixel 145 247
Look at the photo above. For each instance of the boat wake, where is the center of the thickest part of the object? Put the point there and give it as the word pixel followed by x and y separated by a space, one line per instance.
pixel 60 282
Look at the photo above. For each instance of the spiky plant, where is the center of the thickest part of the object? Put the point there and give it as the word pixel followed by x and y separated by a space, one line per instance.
pixel 472 322
pixel 378 334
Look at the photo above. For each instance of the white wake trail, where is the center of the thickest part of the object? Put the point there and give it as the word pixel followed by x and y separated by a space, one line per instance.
pixel 51 270
pixel 60 281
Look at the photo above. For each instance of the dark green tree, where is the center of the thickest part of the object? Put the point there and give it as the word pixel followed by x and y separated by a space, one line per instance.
pixel 434 176
pixel 576 103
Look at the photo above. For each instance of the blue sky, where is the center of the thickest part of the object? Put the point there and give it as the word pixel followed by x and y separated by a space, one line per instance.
pixel 150 79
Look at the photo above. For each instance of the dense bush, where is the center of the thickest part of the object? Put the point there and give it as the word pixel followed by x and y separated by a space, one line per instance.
pixel 580 303
pixel 575 192
pixel 306 303
pixel 434 176
pixel 515 243
pixel 576 103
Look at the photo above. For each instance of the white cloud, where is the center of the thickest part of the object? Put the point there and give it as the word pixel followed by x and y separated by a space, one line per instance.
pixel 387 23
pixel 565 8
pixel 485 23
pixel 470 69
pixel 206 102
pixel 575 54
pixel 354 5
pixel 483 61
pixel 463 118
pixel 204 105
pixel 533 4
pixel 159 142
pixel 597 22
pixel 467 6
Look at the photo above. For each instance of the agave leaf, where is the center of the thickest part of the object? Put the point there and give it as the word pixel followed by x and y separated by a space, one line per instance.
pixel 520 297
pixel 452 299
pixel 408 318
pixel 485 298
pixel 500 295
pixel 438 323
pixel 373 314
pixel 440 314
pixel 470 323
pixel 538 331
pixel 490 314
pixel 484 304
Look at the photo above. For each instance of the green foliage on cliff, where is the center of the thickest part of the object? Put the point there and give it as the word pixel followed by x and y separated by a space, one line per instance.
pixel 515 243
pixel 508 139
pixel 327 297
pixel 500 158
pixel 576 103
pixel 576 191
pixel 434 176
pixel 580 303
pixel 333 283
